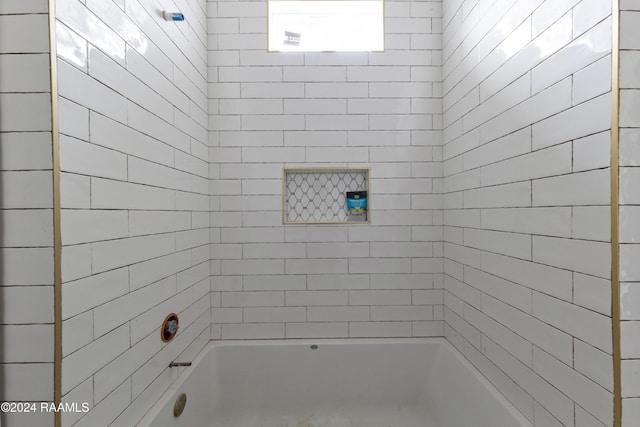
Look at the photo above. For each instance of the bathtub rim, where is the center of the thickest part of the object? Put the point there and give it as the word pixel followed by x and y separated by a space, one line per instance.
pixel 170 394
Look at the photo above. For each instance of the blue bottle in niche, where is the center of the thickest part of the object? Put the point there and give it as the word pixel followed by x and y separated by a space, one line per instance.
pixel 357 205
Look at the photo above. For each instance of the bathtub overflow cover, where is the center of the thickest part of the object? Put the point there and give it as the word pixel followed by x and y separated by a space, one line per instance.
pixel 178 408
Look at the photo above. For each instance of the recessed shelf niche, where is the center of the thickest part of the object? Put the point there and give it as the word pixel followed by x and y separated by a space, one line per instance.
pixel 318 195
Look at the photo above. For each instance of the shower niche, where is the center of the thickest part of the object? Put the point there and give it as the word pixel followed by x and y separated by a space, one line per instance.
pixel 325 196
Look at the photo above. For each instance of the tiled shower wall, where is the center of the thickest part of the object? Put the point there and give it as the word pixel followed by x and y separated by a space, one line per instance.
pixel 378 110
pixel 526 191
pixel 26 210
pixel 527 118
pixel 630 210
pixel 134 159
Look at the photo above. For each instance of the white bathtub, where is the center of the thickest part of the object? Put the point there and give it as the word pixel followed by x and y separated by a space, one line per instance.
pixel 341 383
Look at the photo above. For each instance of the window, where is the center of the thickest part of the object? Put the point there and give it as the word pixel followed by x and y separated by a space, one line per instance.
pixel 326 25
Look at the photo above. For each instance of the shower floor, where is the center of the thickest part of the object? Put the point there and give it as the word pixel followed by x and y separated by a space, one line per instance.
pixel 372 418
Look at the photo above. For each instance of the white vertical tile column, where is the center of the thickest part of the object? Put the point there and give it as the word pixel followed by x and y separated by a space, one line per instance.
pixel 134 189
pixel 380 110
pixel 26 211
pixel 527 122
pixel 629 222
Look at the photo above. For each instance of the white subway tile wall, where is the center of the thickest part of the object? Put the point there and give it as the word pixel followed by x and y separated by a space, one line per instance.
pixel 629 223
pixel 527 119
pixel 362 110
pixel 26 210
pixel 135 200
pixel 490 222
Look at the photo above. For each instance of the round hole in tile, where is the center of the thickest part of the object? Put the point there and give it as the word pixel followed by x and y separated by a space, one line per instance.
pixel 169 327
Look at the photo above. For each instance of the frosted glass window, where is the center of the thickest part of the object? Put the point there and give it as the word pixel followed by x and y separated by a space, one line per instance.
pixel 326 25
